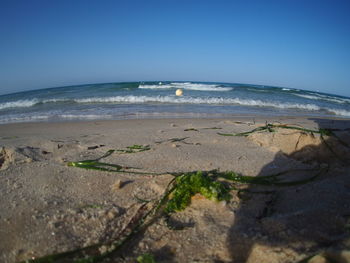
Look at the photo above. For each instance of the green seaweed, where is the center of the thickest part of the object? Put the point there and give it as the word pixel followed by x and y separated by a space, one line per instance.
pixel 134 149
pixel 206 184
pixel 94 206
pixel 272 128
pixel 190 184
pixel 95 165
pixel 268 180
pixel 146 258
pixel 176 197
pixel 213 185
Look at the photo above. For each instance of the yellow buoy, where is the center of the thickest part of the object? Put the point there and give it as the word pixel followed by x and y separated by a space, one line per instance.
pixel 179 92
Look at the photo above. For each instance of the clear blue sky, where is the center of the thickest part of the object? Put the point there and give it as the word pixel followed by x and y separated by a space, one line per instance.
pixel 297 43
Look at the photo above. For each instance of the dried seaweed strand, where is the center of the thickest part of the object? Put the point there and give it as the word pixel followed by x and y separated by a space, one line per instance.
pixel 270 127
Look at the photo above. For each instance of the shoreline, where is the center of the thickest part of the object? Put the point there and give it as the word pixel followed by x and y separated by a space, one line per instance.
pixel 182 116
pixel 49 207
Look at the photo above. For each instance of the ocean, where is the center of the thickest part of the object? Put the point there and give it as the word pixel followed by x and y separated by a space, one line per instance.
pixel 133 100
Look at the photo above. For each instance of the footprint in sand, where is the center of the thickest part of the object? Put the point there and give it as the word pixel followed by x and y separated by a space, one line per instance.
pixel 33 153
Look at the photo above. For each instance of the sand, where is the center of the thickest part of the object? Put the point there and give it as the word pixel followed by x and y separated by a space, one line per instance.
pixel 48 207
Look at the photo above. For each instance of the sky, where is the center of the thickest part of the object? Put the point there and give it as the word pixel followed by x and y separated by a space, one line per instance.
pixel 301 44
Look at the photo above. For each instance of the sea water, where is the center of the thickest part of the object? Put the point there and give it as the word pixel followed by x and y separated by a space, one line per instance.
pixel 158 100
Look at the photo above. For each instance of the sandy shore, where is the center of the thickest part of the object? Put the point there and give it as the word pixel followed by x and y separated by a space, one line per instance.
pixel 48 207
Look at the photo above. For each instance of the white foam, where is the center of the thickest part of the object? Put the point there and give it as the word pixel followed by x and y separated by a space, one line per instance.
pixel 334 99
pixel 258 90
pixel 54 100
pixel 307 96
pixel 339 112
pixel 323 97
pixel 193 100
pixel 18 104
pixel 84 116
pixel 35 118
pixel 187 86
pixel 132 99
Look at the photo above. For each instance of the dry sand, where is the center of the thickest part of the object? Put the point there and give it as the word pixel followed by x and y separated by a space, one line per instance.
pixel 48 207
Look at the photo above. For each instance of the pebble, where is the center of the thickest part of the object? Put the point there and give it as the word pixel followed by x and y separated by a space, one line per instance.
pixel 112 213
pixel 103 249
pixel 117 185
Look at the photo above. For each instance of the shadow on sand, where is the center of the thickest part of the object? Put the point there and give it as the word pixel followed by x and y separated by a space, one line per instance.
pixel 292 223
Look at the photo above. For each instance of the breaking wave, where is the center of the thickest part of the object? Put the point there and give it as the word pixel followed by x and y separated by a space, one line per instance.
pixel 194 100
pixel 133 99
pixel 30 103
pixel 187 86
pixel 18 104
pixel 323 97
pixel 211 100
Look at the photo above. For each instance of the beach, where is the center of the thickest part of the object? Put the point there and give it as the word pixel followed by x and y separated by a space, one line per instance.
pixel 48 206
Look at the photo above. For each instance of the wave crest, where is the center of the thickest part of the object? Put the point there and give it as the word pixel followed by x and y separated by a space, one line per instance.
pixel 187 86
pixel 323 97
pixel 18 104
pixel 132 99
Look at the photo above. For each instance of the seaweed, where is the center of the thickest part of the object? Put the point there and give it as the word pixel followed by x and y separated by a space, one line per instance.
pixel 191 129
pixel 214 185
pixel 134 149
pixel 212 128
pixel 176 197
pixel 189 184
pixel 146 258
pixel 94 206
pixel 175 140
pixel 95 147
pixel 95 164
pixel 272 128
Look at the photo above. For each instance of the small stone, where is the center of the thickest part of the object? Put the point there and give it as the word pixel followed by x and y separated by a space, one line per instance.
pixel 103 249
pixel 174 145
pixel 173 125
pixel 117 185
pixel 111 215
